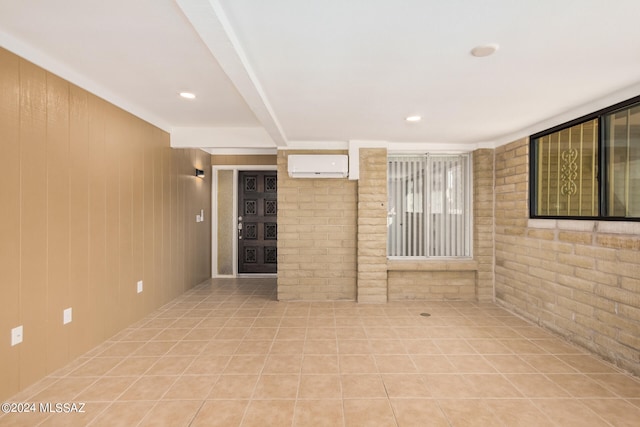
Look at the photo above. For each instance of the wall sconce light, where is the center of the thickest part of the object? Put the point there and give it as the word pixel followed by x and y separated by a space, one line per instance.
pixel 199 173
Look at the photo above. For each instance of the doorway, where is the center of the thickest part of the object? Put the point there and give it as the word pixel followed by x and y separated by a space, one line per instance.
pixel 244 220
pixel 257 222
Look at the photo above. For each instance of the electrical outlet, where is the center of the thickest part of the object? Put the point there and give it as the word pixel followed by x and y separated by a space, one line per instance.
pixel 67 316
pixel 16 335
pixel 139 286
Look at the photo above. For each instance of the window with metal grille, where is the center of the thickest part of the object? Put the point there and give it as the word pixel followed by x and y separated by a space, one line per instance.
pixel 589 168
pixel 429 209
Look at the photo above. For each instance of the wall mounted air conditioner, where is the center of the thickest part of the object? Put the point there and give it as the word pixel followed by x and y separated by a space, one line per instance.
pixel 318 165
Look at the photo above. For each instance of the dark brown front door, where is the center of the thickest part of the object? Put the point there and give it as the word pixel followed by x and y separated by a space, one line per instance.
pixel 257 222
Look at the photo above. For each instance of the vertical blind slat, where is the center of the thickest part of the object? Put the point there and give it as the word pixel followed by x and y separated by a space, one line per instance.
pixel 398 218
pixel 410 230
pixel 428 201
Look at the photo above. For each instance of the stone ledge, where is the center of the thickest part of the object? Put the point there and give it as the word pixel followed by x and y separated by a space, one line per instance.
pixel 432 265
pixel 612 227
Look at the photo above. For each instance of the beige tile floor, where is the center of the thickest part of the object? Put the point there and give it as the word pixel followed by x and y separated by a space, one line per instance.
pixel 227 354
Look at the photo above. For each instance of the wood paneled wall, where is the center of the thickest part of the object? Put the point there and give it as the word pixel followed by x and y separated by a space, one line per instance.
pixel 253 160
pixel 92 199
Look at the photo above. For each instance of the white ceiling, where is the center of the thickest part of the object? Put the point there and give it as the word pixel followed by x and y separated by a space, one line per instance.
pixel 296 73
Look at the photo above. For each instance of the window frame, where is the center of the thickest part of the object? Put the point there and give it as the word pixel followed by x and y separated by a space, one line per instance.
pixel 603 190
pixel 468 213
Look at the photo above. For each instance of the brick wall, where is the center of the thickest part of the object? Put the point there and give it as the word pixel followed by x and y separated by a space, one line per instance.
pixel 316 236
pixel 372 226
pixel 432 285
pixel 580 279
pixel 379 280
pixel 483 217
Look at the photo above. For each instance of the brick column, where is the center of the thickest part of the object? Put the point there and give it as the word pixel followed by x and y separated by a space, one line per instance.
pixel 372 226
pixel 483 242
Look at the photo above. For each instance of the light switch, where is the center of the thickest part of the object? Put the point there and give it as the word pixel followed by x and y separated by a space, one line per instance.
pixel 139 286
pixel 16 335
pixel 67 316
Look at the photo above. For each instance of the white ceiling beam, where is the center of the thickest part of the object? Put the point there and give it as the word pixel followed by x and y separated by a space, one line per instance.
pixel 220 137
pixel 212 25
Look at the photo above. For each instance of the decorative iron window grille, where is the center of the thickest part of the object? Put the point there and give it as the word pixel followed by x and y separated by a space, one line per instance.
pixel 588 168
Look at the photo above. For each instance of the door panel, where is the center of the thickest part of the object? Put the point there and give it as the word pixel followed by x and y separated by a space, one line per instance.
pixel 257 222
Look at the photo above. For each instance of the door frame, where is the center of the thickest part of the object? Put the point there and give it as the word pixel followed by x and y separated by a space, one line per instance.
pixel 214 216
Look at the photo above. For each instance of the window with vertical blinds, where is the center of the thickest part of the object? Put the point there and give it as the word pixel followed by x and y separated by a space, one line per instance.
pixel 429 209
pixel 622 154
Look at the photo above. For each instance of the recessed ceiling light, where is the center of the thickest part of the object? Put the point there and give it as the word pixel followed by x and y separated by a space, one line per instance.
pixel 484 50
pixel 187 95
pixel 413 118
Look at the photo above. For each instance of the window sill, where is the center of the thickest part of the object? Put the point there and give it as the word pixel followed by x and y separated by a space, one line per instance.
pixel 612 227
pixel 432 265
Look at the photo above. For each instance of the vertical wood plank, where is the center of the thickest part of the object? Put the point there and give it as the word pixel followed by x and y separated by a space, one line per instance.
pixel 33 226
pixel 57 238
pixel 149 221
pixel 167 242
pixel 176 254
pixel 79 180
pixel 98 290
pixel 9 219
pixel 203 201
pixel 113 138
pixel 127 289
pixel 159 221
pixel 137 212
